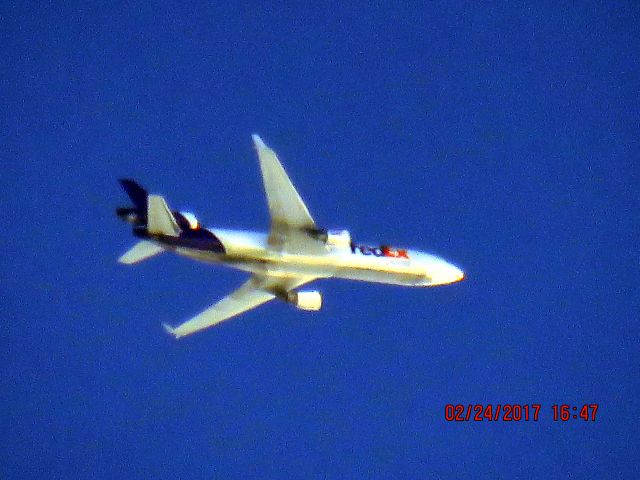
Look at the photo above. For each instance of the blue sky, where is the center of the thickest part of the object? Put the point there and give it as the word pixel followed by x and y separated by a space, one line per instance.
pixel 503 137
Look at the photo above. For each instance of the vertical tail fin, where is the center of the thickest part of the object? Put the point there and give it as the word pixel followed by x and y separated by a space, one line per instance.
pixel 137 194
pixel 136 215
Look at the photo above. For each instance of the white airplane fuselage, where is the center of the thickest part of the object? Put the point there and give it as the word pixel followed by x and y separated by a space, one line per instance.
pixel 292 254
pixel 251 252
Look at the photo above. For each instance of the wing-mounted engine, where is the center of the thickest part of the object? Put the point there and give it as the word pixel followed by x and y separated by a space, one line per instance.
pixel 334 238
pixel 305 300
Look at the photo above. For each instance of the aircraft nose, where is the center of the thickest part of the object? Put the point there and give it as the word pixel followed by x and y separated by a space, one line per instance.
pixel 457 274
pixel 443 273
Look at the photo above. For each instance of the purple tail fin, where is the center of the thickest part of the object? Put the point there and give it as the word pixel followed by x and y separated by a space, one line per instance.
pixel 137 194
pixel 137 215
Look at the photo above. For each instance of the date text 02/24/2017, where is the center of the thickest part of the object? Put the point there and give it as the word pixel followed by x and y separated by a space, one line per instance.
pixel 511 412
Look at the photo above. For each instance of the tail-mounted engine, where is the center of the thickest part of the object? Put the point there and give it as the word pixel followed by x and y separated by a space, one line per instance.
pixel 306 300
pixel 186 220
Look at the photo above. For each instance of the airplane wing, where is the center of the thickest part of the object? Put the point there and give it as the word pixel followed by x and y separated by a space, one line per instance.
pixel 285 205
pixel 254 292
pixel 291 221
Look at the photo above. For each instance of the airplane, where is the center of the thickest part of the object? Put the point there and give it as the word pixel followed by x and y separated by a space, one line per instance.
pixel 293 253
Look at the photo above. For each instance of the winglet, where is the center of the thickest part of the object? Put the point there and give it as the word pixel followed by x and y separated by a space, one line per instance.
pixel 170 330
pixel 257 141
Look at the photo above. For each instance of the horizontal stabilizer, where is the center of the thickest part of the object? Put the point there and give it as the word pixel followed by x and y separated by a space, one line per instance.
pixel 160 219
pixel 141 251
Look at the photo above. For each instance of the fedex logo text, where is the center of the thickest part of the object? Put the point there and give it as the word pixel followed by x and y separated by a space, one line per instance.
pixel 381 251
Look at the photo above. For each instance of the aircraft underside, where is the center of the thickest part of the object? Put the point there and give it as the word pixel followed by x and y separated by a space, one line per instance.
pixel 293 253
pixel 282 265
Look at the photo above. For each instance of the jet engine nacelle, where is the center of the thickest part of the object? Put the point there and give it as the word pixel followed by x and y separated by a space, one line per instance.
pixel 306 300
pixel 187 220
pixel 338 238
